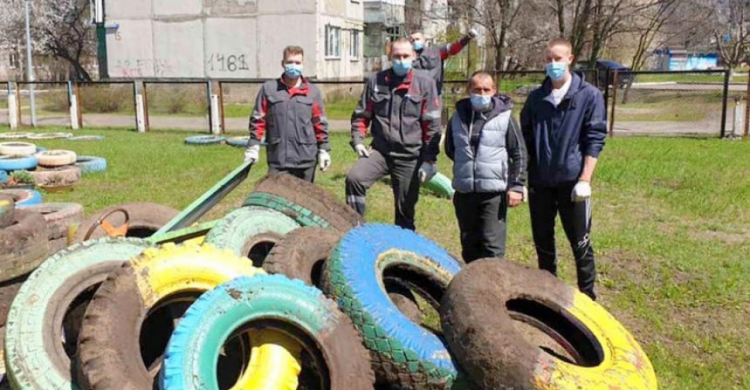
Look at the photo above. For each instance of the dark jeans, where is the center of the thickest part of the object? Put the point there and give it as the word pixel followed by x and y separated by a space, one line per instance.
pixel 482 221
pixel 404 181
pixel 545 204
pixel 307 174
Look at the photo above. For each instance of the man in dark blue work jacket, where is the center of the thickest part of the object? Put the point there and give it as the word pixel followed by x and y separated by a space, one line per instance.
pixel 564 125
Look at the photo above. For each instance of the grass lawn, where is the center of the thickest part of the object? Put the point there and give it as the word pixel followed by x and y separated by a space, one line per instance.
pixel 671 231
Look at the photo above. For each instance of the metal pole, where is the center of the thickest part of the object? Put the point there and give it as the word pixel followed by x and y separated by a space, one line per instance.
pixel 614 104
pixel 724 103
pixel 30 66
pixel 606 90
pixel 747 108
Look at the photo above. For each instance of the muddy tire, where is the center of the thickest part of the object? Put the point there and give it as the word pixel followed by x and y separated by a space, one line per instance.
pixel 23 245
pixel 111 345
pixel 306 203
pixel 403 353
pixel 302 311
pixel 145 220
pixel 251 232
pixel 50 304
pixel 68 174
pixel 59 217
pixel 499 319
pixel 7 210
pixel 8 291
pixel 302 253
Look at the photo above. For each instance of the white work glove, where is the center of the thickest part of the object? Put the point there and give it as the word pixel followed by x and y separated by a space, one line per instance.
pixel 427 171
pixel 473 33
pixel 324 160
pixel 362 150
pixel 251 154
pixel 581 192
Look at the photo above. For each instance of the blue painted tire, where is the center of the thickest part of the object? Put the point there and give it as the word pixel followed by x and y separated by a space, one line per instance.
pixel 404 354
pixel 3 177
pixel 240 142
pixel 24 198
pixel 204 140
pixel 193 350
pixel 18 163
pixel 91 164
pixel 40 149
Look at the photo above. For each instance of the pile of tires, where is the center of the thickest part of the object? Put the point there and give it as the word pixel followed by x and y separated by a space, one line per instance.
pixel 293 290
pixel 47 168
pixel 56 168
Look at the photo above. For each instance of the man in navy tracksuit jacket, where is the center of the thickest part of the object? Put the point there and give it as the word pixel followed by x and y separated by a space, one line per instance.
pixel 564 125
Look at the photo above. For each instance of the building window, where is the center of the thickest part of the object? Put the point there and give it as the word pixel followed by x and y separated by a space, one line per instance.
pixel 333 42
pixel 354 46
pixel 13 57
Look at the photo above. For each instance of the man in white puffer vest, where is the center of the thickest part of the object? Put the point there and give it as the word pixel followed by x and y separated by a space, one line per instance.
pixel 489 161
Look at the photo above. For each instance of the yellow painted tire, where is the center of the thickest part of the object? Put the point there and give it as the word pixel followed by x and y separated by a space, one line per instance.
pixel 510 326
pixel 114 326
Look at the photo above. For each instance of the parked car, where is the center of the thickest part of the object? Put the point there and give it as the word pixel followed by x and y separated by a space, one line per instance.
pixel 624 74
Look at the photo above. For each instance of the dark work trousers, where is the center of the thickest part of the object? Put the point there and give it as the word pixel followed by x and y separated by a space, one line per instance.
pixel 482 221
pixel 307 174
pixel 404 181
pixel 544 205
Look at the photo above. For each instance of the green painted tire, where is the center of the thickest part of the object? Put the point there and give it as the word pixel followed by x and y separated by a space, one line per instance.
pixel 306 203
pixel 251 232
pixel 441 186
pixel 314 321
pixel 35 358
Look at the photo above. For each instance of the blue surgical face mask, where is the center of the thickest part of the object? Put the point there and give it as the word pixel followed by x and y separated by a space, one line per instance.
pixel 556 70
pixel 293 70
pixel 479 102
pixel 402 67
pixel 418 45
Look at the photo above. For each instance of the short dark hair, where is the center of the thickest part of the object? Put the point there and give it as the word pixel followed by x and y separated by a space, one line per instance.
pixel 403 40
pixel 483 74
pixel 293 50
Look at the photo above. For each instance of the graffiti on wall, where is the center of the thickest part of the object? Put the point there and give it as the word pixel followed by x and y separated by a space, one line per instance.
pixel 221 62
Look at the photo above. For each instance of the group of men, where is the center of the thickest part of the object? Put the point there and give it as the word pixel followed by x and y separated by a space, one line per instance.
pixel 547 159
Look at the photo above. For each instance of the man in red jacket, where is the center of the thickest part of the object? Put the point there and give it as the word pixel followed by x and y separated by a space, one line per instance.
pixel 430 59
pixel 401 108
pixel 289 111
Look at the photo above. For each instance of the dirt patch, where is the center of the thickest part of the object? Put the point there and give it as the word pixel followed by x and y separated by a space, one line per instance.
pixel 737 237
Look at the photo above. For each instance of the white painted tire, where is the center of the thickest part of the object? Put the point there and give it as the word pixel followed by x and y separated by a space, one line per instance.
pixel 56 158
pixel 17 149
pixel 50 135
pixel 14 135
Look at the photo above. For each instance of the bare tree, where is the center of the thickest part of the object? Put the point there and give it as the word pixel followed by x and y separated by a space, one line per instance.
pixel 731 29
pixel 59 28
pixel 498 17
pixel 649 24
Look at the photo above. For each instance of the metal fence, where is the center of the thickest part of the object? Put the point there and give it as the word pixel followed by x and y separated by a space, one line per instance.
pixel 689 103
pixel 702 103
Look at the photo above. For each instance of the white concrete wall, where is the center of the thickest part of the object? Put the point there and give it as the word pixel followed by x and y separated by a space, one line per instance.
pixel 348 16
pixel 225 38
